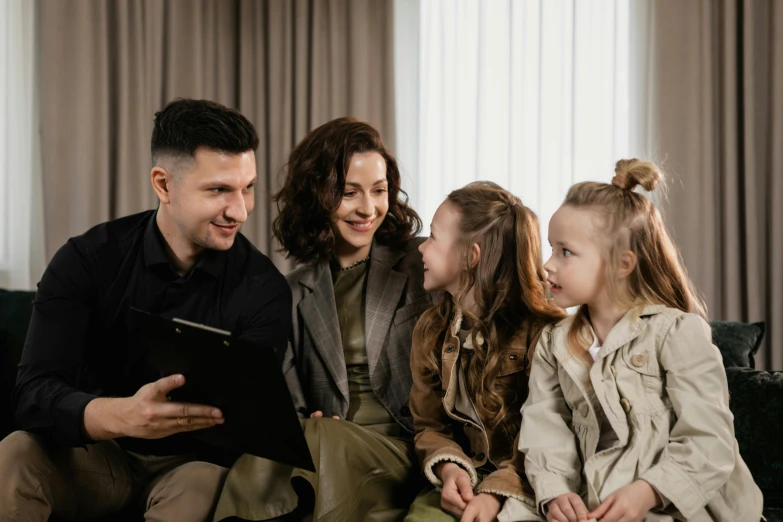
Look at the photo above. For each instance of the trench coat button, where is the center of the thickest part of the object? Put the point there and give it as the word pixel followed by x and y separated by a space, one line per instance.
pixel 614 370
pixel 584 410
pixel 449 349
pixel 480 456
pixel 513 357
pixel 626 405
pixel 639 360
pixel 443 393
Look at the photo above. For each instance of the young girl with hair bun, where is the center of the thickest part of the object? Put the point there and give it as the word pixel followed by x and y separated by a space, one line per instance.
pixel 627 416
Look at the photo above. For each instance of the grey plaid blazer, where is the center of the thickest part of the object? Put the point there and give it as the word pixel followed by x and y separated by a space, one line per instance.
pixel 314 363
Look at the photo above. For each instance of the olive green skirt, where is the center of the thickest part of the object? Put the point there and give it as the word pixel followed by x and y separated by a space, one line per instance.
pixel 426 508
pixel 360 475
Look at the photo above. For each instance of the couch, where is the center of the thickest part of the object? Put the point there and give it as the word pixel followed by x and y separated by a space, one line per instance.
pixel 756 397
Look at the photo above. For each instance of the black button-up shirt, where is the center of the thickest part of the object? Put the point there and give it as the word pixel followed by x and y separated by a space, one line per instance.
pixel 80 344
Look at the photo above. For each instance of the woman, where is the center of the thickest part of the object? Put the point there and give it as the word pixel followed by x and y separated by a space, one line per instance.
pixel 357 297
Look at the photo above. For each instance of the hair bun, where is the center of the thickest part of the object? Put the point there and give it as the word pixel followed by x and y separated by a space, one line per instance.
pixel 629 173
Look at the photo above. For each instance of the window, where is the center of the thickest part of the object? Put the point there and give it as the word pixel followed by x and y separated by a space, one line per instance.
pixel 21 236
pixel 533 95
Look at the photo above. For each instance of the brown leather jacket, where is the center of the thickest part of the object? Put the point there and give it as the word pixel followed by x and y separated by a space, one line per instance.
pixel 445 434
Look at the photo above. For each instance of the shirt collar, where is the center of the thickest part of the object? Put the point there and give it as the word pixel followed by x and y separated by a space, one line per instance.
pixel 595 344
pixel 210 261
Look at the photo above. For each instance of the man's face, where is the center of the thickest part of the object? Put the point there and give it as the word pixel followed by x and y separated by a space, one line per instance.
pixel 212 197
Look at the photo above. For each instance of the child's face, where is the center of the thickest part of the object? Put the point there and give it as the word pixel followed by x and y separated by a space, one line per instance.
pixel 441 252
pixel 576 269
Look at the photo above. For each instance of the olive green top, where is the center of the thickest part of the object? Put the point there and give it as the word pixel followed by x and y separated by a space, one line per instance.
pixel 364 407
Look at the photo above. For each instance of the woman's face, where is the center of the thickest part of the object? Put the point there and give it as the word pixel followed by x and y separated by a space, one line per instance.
pixel 364 205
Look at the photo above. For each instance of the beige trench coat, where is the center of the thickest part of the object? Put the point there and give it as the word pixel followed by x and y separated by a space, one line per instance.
pixel 662 386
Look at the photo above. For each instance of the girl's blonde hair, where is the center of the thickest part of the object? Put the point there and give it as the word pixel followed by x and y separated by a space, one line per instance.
pixel 632 223
pixel 508 283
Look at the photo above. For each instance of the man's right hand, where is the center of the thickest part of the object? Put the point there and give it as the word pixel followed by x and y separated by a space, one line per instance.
pixel 149 414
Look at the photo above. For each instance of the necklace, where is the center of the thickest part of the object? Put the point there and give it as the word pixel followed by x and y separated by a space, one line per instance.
pixel 359 262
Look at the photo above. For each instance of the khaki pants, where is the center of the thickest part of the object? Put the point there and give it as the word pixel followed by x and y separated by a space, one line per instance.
pixel 85 483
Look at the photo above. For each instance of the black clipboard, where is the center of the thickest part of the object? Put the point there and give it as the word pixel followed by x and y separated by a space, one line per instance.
pixel 241 378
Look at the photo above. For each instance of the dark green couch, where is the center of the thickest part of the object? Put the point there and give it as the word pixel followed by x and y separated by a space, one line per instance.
pixel 15 311
pixel 756 396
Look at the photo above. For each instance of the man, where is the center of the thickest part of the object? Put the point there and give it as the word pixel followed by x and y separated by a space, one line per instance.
pixel 99 431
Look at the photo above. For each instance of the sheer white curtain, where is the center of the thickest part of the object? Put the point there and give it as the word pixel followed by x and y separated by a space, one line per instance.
pixel 531 94
pixel 21 207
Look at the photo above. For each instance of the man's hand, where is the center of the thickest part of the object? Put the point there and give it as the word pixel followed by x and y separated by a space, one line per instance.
pixel 566 508
pixel 149 414
pixel 483 508
pixel 457 491
pixel 629 503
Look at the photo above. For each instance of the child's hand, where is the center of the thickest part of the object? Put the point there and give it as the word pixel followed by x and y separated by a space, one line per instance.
pixel 566 508
pixel 483 508
pixel 629 503
pixel 457 491
pixel 318 414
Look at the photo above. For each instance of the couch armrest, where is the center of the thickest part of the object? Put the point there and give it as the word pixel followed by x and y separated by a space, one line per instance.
pixel 756 399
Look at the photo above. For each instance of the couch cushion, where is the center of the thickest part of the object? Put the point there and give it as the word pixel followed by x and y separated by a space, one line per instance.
pixel 16 307
pixel 773 514
pixel 6 412
pixel 756 399
pixel 737 342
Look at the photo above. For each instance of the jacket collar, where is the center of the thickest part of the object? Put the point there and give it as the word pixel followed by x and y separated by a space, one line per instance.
pixel 381 257
pixel 456 324
pixel 383 289
pixel 626 330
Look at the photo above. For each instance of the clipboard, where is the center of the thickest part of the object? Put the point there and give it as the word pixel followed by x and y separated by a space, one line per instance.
pixel 241 378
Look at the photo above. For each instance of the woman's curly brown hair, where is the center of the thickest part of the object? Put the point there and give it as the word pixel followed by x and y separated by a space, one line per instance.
pixel 314 186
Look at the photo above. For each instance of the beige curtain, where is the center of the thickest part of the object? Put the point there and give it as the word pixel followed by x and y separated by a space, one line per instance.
pixel 107 66
pixel 714 107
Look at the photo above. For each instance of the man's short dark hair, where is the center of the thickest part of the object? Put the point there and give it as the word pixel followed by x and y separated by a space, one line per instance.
pixel 183 126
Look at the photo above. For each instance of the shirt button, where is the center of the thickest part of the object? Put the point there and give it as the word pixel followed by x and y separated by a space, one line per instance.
pixel 625 404
pixel 614 370
pixel 639 360
pixel 512 357
pixel 405 411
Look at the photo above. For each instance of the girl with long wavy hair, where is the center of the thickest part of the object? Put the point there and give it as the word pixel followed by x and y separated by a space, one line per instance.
pixel 470 354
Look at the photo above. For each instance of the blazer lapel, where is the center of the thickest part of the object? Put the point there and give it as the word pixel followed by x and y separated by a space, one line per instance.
pixel 384 289
pixel 319 313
